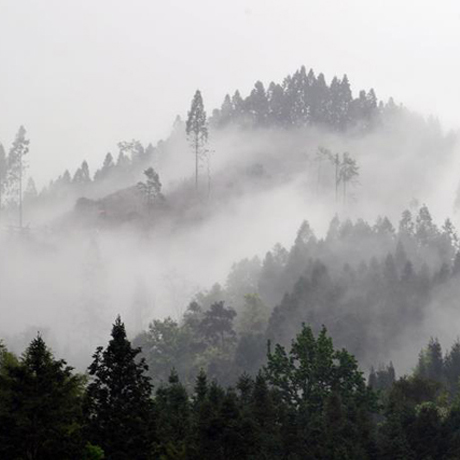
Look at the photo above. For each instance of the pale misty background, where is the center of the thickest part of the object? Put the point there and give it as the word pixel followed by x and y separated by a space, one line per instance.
pixel 83 75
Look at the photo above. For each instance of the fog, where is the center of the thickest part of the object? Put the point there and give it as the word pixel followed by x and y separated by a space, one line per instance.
pixel 69 280
pixel 82 77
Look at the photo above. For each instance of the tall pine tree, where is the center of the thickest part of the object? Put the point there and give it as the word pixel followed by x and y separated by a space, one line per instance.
pixel 197 131
pixel 118 405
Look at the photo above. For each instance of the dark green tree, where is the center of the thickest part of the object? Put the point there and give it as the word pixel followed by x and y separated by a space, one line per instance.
pixel 118 405
pixel 217 325
pixel 40 407
pixel 312 370
pixel 172 409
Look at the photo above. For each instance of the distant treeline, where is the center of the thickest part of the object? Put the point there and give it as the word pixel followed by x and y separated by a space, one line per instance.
pixel 303 99
pixel 308 401
pixel 370 285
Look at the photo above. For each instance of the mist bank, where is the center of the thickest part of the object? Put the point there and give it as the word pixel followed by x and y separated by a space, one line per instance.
pixel 93 247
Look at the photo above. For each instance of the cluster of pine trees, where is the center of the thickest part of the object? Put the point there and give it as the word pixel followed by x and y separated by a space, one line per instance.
pixel 303 99
pixel 307 401
pixel 132 159
pixel 17 193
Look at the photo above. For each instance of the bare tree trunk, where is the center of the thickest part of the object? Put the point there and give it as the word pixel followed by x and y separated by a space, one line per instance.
pixel 196 163
pixel 209 174
pixel 20 191
pixel 319 178
pixel 336 178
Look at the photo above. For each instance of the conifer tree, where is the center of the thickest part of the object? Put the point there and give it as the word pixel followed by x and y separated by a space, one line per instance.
pixel 151 188
pixel 217 325
pixel 82 175
pixel 40 407
pixel 197 131
pixel 173 417
pixel 348 172
pixel 17 165
pixel 31 194
pixel 107 167
pixel 118 406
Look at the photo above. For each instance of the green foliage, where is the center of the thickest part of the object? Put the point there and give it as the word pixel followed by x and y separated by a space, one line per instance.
pixel 217 326
pixel 308 402
pixel 254 315
pixel 312 369
pixel 92 452
pixel 173 418
pixel 40 406
pixel 118 405
pixel 323 391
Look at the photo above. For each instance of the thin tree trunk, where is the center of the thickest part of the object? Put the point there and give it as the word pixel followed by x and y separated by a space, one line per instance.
pixel 20 191
pixel 209 173
pixel 196 164
pixel 336 178
pixel 319 178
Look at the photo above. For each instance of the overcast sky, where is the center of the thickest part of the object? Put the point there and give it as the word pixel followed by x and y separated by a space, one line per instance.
pixel 82 75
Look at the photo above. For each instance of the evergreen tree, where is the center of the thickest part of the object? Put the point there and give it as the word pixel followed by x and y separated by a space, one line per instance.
pixel 118 405
pixel 197 131
pixel 40 407
pixel 348 172
pixel 133 150
pixel 17 166
pixel 151 188
pixel 254 315
pixel 217 325
pixel 425 229
pixel 257 105
pixel 276 105
pixel 31 194
pixel 226 112
pixel 172 408
pixel 312 369
pixel 106 169
pixel 82 176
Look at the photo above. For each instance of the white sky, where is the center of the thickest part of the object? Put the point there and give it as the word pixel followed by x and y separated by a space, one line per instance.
pixel 82 75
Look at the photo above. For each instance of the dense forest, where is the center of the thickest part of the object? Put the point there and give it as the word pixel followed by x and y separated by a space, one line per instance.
pixel 308 400
pixel 286 270
pixel 370 285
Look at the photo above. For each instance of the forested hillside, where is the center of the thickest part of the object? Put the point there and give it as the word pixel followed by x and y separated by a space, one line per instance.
pixel 260 137
pixel 373 286
pixel 307 400
pixel 164 223
pixel 238 250
pixel 229 230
